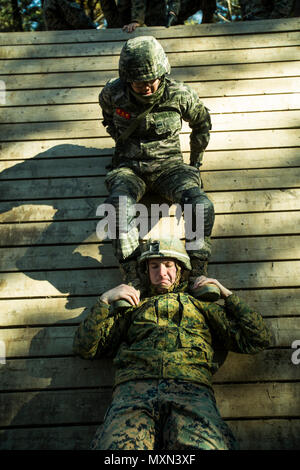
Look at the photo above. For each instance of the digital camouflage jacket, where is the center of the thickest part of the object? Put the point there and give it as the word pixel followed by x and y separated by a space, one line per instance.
pixel 169 336
pixel 157 135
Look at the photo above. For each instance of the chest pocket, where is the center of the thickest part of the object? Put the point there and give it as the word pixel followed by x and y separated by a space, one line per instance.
pixel 165 123
pixel 196 345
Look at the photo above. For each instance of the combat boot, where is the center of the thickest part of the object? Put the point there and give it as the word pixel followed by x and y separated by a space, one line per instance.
pixel 209 292
pixel 129 271
pixel 171 19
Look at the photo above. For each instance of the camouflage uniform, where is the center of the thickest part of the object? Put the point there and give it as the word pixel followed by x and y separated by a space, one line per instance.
pixel 265 9
pixel 111 13
pixel 163 352
pixel 151 158
pixel 155 13
pixel 64 14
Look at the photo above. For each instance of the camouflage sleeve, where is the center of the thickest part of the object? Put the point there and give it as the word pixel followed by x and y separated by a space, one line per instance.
pixel 138 11
pixel 100 334
pixel 240 328
pixel 107 111
pixel 198 117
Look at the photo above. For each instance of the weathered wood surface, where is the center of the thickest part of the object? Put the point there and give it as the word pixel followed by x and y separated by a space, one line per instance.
pixel 69 310
pixel 53 157
pixel 57 340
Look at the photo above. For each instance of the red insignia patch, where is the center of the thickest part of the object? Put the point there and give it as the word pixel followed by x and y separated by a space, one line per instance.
pixel 123 113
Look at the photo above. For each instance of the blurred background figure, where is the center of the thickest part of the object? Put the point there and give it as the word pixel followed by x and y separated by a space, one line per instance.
pixel 65 14
pixel 135 13
pixel 268 9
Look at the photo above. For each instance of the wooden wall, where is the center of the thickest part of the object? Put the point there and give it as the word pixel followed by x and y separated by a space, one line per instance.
pixel 53 154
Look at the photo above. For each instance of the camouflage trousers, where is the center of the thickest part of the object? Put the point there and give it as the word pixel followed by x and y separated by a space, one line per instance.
pixel 176 182
pixel 163 415
pixel 266 9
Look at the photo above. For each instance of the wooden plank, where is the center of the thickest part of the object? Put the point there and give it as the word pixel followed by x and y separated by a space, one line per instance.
pixel 106 48
pixel 85 255
pixel 266 400
pixel 226 225
pixel 222 73
pixel 57 148
pixel 251 179
pixel 203 30
pixel 269 434
pixel 48 341
pixel 66 372
pixel 254 158
pixel 224 202
pixel 265 95
pixel 63 209
pixel 251 139
pixel 69 112
pixel 269 400
pixel 269 365
pixel 246 87
pixel 56 257
pixel 54 407
pixel 53 438
pixel 254 275
pixel 44 166
pixel 234 225
pixel 51 168
pixel 261 120
pixel 255 201
pixel 94 186
pixel 93 128
pixel 45 311
pixel 56 372
pixel 181 59
pixel 280 302
pixel 86 208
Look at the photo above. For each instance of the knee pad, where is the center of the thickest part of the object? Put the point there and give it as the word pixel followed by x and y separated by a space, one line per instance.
pixel 195 196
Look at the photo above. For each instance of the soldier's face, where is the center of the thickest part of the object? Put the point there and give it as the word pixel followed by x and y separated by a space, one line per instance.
pixel 162 273
pixel 146 88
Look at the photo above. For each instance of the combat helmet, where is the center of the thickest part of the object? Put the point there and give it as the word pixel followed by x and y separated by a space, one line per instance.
pixel 143 59
pixel 164 248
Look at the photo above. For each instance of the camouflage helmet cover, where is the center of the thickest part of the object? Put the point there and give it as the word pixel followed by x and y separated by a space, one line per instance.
pixel 165 248
pixel 142 59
